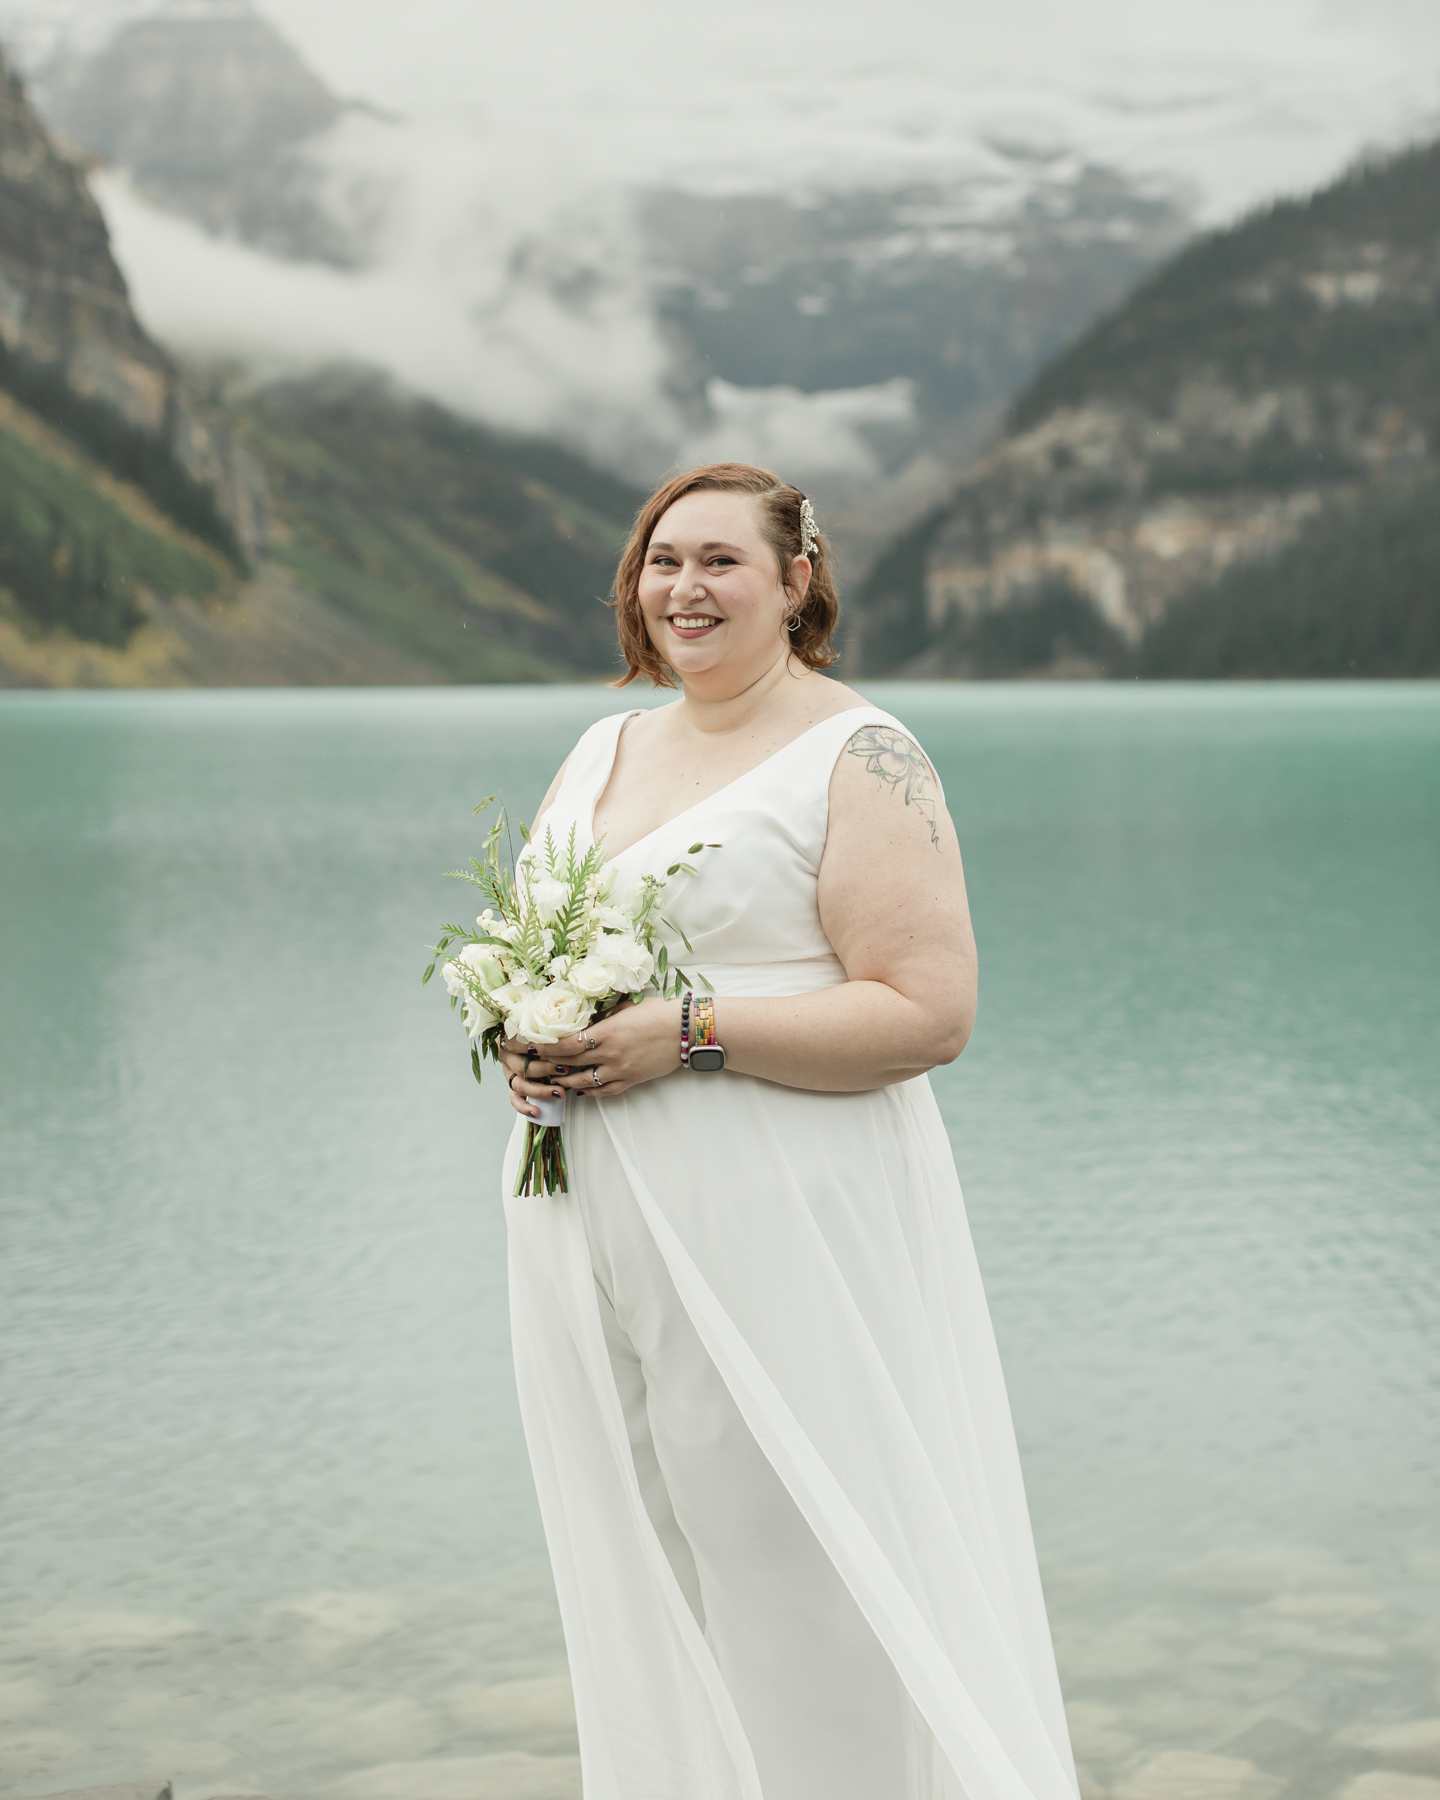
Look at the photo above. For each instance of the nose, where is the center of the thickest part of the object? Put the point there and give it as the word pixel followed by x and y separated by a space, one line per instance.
pixel 688 585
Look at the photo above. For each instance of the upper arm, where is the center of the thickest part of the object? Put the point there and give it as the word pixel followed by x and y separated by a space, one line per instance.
pixel 892 888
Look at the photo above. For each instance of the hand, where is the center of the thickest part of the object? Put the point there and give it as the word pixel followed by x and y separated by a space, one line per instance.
pixel 634 1044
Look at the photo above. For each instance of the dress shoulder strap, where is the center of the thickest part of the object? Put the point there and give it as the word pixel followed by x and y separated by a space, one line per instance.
pixel 589 764
pixel 822 745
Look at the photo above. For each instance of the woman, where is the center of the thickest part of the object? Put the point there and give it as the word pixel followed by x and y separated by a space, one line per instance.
pixel 760 1390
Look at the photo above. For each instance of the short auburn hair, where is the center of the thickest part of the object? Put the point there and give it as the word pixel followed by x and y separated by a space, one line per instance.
pixel 779 507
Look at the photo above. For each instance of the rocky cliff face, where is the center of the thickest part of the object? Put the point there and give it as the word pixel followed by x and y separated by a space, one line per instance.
pixel 64 307
pixel 62 297
pixel 1265 377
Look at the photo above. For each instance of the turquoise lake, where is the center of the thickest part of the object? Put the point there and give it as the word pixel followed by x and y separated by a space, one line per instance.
pixel 267 1525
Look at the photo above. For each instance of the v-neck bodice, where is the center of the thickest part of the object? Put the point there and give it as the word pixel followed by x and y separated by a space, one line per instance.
pixel 751 910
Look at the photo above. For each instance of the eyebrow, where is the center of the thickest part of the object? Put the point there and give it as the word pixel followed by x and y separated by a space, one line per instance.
pixel 715 544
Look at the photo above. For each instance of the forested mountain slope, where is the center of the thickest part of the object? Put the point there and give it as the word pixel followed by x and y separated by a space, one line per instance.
pixel 1232 473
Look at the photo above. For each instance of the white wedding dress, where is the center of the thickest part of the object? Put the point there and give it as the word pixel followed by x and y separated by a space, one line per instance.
pixel 761 1393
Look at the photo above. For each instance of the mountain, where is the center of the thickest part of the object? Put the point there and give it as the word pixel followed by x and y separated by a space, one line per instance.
pixel 160 530
pixel 111 481
pixel 866 335
pixel 210 109
pixel 478 557
pixel 1234 472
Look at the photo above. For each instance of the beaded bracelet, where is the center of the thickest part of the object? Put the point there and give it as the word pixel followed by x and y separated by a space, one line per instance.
pixel 704 1022
pixel 685 1030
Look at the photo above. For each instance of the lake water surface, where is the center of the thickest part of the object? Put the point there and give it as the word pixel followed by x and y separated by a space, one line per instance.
pixel 267 1524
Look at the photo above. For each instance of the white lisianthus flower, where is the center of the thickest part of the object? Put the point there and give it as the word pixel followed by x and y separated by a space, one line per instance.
pixel 453 979
pixel 560 966
pixel 627 959
pixel 593 977
pixel 612 918
pixel 545 1015
pixel 549 897
pixel 485 963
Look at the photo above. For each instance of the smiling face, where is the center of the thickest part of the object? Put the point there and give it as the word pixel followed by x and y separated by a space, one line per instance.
pixel 711 593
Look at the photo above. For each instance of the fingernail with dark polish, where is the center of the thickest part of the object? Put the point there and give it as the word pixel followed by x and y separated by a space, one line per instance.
pixel 559 1093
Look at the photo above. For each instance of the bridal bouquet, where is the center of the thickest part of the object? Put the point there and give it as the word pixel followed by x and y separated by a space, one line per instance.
pixel 554 950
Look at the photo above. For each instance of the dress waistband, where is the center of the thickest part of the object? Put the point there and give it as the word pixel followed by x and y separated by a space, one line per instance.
pixel 764 981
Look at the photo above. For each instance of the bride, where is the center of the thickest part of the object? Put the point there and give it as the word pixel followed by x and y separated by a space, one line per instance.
pixel 760 1389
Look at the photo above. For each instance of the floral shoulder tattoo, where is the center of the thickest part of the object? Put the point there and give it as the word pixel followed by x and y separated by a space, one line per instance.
pixel 896 759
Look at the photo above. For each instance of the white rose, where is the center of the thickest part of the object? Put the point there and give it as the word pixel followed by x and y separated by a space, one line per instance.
pixel 478 1018
pixel 560 966
pixel 506 999
pixel 593 977
pixel 549 897
pixel 628 961
pixel 545 1015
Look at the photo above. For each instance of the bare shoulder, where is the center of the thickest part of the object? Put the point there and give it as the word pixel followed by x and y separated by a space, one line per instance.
pixel 883 780
pixel 646 731
pixel 827 697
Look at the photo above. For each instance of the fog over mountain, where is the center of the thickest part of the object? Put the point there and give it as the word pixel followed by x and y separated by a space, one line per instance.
pixel 835 238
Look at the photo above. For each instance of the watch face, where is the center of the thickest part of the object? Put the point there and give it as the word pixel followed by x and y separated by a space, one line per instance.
pixel 711 1057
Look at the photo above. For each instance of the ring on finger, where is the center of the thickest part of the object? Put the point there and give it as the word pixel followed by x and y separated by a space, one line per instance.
pixel 595 1077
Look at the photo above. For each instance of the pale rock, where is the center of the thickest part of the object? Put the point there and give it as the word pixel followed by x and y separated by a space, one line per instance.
pixel 125 1790
pixel 1325 1606
pixel 539 1706
pixel 1390 1784
pixel 1195 1775
pixel 510 1775
pixel 1095 1733
pixel 1413 1744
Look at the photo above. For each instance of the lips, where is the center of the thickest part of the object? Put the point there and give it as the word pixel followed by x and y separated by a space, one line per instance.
pixel 692 625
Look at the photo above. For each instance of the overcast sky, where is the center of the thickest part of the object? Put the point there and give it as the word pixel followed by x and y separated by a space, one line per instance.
pixel 1241 98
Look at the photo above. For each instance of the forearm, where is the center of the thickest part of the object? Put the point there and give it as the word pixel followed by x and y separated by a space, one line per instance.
pixel 847 1039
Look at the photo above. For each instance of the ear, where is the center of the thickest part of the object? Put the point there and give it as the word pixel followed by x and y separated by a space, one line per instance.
pixel 797 583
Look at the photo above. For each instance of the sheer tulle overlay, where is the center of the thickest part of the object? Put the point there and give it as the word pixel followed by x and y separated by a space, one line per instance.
pixel 761 1393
